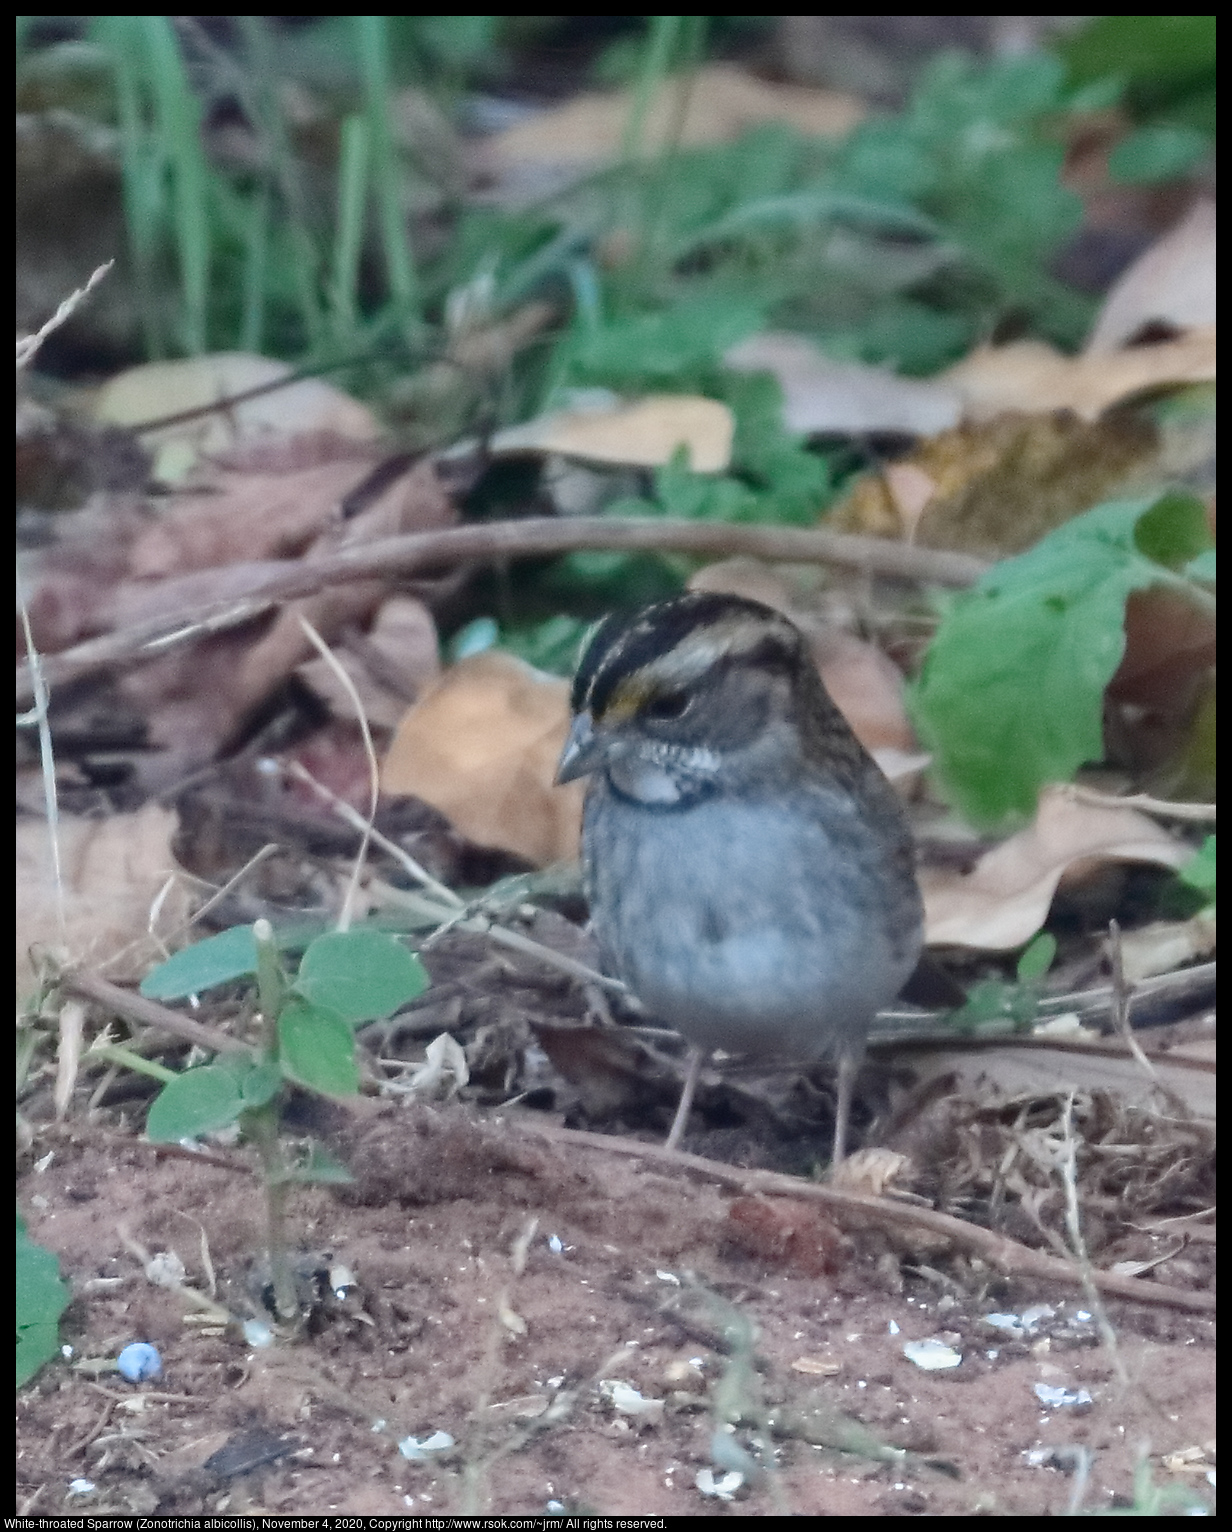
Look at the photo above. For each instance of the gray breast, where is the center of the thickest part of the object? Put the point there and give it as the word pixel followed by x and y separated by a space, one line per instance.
pixel 748 928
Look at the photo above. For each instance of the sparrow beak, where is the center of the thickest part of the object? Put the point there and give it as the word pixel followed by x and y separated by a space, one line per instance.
pixel 583 752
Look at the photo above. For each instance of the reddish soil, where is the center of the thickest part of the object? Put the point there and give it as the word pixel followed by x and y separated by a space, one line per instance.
pixel 632 1273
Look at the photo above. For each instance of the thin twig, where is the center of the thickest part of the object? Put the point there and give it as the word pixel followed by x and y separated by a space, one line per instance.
pixel 345 915
pixel 1162 808
pixel 148 1013
pixel 1120 1001
pixel 345 811
pixel 396 557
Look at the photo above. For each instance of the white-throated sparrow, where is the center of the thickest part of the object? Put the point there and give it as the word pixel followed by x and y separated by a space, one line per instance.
pixel 750 871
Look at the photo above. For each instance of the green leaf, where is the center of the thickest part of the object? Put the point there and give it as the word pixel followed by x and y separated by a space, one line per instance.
pixel 216 960
pixel 196 1102
pixel 1200 872
pixel 220 959
pixel 361 975
pixel 1010 695
pixel 1203 567
pixel 261 1084
pixel 318 1049
pixel 1037 957
pixel 41 1298
pixel 1157 152
pixel 1174 531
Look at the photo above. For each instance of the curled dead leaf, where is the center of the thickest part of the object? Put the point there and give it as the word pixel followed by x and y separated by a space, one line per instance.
pixel 482 748
pixel 646 433
pixel 155 390
pixel 1003 901
pixel 1031 376
pixel 715 103
pixel 821 396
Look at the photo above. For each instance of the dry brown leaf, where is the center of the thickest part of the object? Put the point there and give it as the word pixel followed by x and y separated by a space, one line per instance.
pixel 710 106
pixel 195 700
pixel 1165 945
pixel 482 748
pixel 1171 283
pixel 844 398
pixel 391 665
pixel 1002 484
pixel 646 433
pixel 1004 900
pixel 158 389
pixel 271 503
pixel 114 870
pixel 867 688
pixel 1031 376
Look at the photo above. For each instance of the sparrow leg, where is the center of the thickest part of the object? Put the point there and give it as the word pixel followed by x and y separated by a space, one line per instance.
pixel 848 1068
pixel 692 1072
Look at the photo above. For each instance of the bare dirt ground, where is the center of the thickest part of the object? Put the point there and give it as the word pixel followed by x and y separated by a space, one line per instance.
pixel 749 1325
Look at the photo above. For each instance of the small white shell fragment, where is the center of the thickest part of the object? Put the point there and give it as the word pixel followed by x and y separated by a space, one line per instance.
pixel 932 1355
pixel 415 1451
pixel 1054 1397
pixel 556 1245
pixel 668 1276
pixel 722 1489
pixel 627 1400
pixel 81 1487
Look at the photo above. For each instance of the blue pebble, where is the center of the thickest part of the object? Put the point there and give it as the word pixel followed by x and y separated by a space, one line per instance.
pixel 139 1362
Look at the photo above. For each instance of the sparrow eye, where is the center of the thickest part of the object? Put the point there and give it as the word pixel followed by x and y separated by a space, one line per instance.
pixel 666 706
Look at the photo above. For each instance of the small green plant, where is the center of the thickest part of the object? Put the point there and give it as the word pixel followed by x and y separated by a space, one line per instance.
pixel 41 1298
pixel 307 1039
pixel 1011 692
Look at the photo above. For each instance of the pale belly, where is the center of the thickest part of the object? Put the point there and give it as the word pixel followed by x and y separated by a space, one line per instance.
pixel 749 931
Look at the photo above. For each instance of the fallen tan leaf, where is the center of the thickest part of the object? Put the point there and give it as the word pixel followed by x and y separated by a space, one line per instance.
pixel 646 433
pixel 1171 283
pixel 845 398
pixel 710 106
pixel 1003 901
pixel 267 511
pixel 1164 945
pixel 1032 377
pixel 482 748
pixel 155 390
pixel 114 871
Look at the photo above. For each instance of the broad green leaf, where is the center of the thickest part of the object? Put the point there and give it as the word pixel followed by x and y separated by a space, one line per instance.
pixel 318 1049
pixel 216 960
pixel 1010 695
pixel 261 1084
pixel 41 1298
pixel 361 975
pixel 1158 152
pixel 1174 531
pixel 1037 957
pixel 220 959
pixel 1200 872
pixel 196 1102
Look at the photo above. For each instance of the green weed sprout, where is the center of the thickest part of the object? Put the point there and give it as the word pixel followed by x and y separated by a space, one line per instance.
pixel 307 1039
